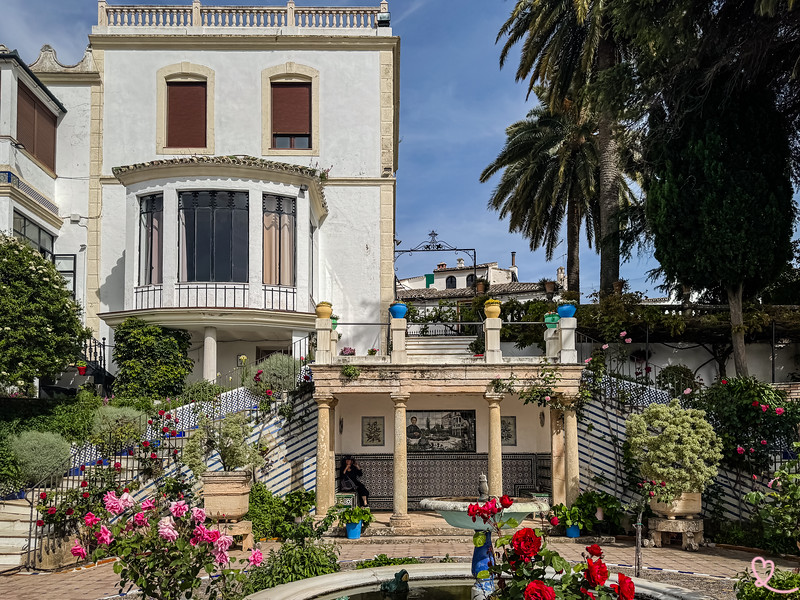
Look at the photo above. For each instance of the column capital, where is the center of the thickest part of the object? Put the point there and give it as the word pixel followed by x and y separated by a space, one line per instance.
pixel 494 397
pixel 400 398
pixel 325 400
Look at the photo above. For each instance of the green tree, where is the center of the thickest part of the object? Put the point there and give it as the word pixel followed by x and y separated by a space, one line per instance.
pixel 40 324
pixel 720 201
pixel 152 360
pixel 570 49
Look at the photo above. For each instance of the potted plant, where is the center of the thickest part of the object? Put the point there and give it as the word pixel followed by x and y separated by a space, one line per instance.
pixel 398 309
pixel 677 452
pixel 81 366
pixel 225 492
pixel 492 308
pixel 551 319
pixel 372 351
pixel 572 518
pixel 481 285
pixel 334 321
pixel 566 305
pixel 324 310
pixel 353 519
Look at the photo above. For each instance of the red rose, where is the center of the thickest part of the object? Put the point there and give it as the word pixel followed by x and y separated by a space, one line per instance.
pixel 168 417
pixel 587 593
pixel 85 494
pixel 526 543
pixel 117 466
pixel 594 550
pixel 652 493
pixel 84 483
pixel 40 523
pixel 537 590
pixel 52 510
pixel 173 433
pixel 625 589
pixel 165 429
pixel 554 521
pixel 130 452
pixel 754 403
pixel 161 413
pixel 505 501
pixel 145 444
pixel 663 484
pixel 70 511
pixel 596 573
pixel 42 496
pixel 149 421
pixel 175 452
pixel 99 461
pixel 176 419
pixel 724 382
pixel 126 491
pixel 153 455
pixel 82 468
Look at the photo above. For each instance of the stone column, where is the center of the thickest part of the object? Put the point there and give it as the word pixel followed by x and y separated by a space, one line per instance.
pixel 332 449
pixel 400 516
pixel 495 445
pixel 324 331
pixel 325 475
pixel 492 334
pixel 572 466
pixel 568 354
pixel 398 336
pixel 210 354
pixel 552 341
pixel 557 456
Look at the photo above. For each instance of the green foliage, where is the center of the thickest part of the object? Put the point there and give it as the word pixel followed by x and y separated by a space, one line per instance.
pixel 381 560
pixel 744 413
pixel 293 562
pixel 675 379
pixel 11 480
pixel 71 416
pixel 227 437
pixel 275 517
pixel 589 501
pixel 116 428
pixel 40 322
pixel 198 391
pixel 153 361
pixel 674 445
pixel 746 588
pixel 278 373
pixel 142 404
pixel 39 454
pixel 354 514
pixel 350 371
pixel 574 515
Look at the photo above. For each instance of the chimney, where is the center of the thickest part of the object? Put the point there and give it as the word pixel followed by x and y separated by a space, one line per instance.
pixel 441 266
pixel 561 278
pixel 460 263
pixel 513 259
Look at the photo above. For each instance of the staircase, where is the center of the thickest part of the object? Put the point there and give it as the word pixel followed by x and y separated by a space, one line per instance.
pixel 15 524
pixel 70 381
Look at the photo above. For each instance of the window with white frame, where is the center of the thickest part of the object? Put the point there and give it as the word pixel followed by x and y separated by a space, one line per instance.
pixel 151 244
pixel 279 248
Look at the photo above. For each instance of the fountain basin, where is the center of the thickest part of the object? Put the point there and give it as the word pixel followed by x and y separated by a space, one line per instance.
pixel 454 511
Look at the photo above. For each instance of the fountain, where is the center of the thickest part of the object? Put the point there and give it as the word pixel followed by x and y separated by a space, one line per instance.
pixel 454 511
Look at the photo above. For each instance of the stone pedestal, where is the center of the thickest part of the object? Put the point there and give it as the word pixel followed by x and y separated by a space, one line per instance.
pixel 691 531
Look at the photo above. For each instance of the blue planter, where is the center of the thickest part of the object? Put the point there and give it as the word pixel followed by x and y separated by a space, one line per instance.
pixel 353 530
pixel 566 311
pixel 573 531
pixel 398 311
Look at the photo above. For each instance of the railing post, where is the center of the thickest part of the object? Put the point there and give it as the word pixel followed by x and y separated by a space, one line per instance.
pixel 102 15
pixel 290 13
pixel 324 330
pixel 398 333
pixel 197 20
pixel 566 328
pixel 492 336
pixel 552 340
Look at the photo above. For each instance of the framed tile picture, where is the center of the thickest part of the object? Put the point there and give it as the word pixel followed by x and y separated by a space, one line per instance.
pixel 508 431
pixel 440 430
pixel 373 431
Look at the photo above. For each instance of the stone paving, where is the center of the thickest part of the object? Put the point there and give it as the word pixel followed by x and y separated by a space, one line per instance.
pixel 100 582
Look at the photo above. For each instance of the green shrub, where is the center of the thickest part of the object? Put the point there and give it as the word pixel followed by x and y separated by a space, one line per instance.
pixel 10 473
pixel 267 512
pixel 228 437
pixel 72 416
pixel 590 500
pixel 675 379
pixel 199 391
pixel 277 373
pixel 117 427
pixel 384 561
pixel 142 404
pixel 40 454
pixel 293 562
pixel 746 588
pixel 153 361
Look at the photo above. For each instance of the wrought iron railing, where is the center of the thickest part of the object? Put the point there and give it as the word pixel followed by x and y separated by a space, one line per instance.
pixel 148 296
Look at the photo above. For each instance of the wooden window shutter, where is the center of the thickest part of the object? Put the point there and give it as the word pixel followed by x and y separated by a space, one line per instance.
pixel 26 118
pixel 46 137
pixel 291 108
pixel 186 114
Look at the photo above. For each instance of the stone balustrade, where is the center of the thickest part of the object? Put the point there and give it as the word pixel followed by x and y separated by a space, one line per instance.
pixel 249 17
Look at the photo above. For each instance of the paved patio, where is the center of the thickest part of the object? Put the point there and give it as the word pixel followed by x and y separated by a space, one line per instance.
pixel 100 582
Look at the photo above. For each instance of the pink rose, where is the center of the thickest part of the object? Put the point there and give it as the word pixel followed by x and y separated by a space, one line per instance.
pixel 126 500
pixel 198 515
pixel 223 543
pixel 148 504
pixel 779 411
pixel 112 503
pixel 78 551
pixel 628 340
pixel 166 529
pixel 687 391
pixel 622 334
pixel 755 477
pixel 588 360
pixel 141 520
pixel 764 408
pixel 103 536
pixel 255 558
pixel 212 535
pixel 547 398
pixel 763 442
pixel 90 519
pixel 200 535
pixel 740 450
pixel 178 509
pixel 605 346
pixel 221 557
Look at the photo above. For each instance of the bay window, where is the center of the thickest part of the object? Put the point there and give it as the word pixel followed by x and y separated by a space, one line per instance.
pixel 279 239
pixel 151 246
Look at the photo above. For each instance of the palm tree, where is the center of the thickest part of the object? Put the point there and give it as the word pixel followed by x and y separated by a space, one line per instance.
pixel 549 165
pixel 567 44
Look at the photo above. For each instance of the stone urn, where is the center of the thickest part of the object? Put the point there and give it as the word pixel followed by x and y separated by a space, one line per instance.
pixel 492 309
pixel 324 310
pixel 226 494
pixel 688 504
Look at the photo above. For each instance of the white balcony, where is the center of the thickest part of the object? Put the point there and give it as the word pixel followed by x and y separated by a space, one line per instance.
pixel 215 295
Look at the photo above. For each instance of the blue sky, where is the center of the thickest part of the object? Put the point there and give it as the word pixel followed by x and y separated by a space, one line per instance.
pixel 455 104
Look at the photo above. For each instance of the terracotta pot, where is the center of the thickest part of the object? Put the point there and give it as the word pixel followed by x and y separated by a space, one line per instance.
pixel 324 311
pixel 685 505
pixel 480 287
pixel 492 310
pixel 226 493
pixel 81 370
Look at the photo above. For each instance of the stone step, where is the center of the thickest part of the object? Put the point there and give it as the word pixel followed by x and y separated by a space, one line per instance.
pixel 14 540
pixel 10 557
pixel 13 528
pixel 15 507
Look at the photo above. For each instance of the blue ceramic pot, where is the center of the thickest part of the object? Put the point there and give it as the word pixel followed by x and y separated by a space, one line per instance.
pixel 398 311
pixel 566 311
pixel 573 531
pixel 353 530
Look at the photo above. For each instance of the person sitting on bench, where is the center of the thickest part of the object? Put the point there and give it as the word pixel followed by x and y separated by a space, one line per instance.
pixel 348 482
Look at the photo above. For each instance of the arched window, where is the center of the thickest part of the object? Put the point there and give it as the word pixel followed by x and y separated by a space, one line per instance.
pixel 450 283
pixel 471 280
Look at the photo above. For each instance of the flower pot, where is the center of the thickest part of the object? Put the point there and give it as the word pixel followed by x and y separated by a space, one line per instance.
pixel 551 321
pixel 398 311
pixel 549 287
pixel 573 531
pixel 324 311
pixel 566 311
pixel 226 494
pixel 618 285
pixel 81 370
pixel 334 323
pixel 685 505
pixel 492 310
pixel 353 530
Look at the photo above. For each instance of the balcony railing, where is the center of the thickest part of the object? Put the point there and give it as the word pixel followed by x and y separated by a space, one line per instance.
pixel 248 17
pixel 147 296
pixel 212 295
pixel 215 295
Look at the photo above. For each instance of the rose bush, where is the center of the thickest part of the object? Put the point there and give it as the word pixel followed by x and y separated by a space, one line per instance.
pixel 522 559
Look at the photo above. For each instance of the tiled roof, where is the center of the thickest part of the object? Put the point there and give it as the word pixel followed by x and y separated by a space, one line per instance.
pixel 498 289
pixel 466 267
